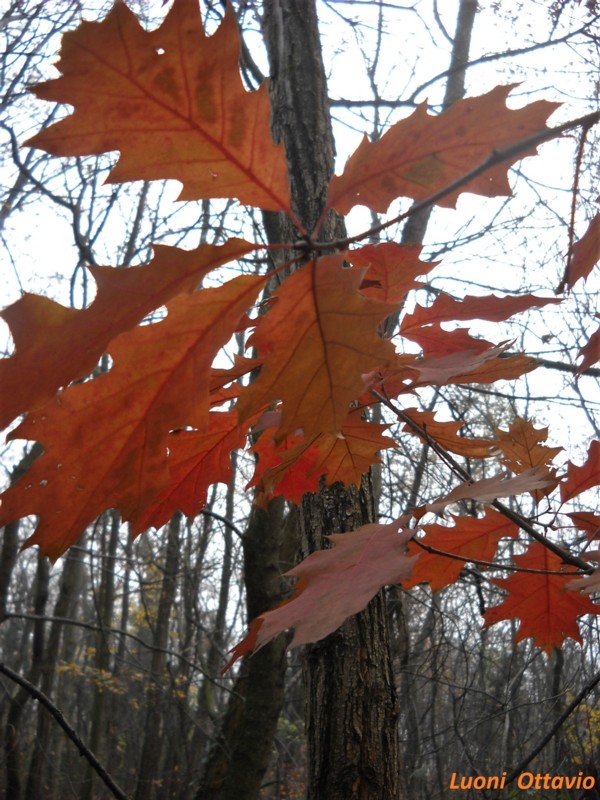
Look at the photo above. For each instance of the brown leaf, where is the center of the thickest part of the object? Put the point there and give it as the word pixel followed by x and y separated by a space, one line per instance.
pixel 586 254
pixel 590 352
pixel 172 102
pixel 60 344
pixel 522 448
pixel 317 340
pixel 422 154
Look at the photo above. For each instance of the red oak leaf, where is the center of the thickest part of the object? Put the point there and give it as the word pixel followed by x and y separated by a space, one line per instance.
pixel 105 441
pixel 60 344
pixel 172 102
pixel 472 539
pixel 320 336
pixel 579 479
pixel 334 584
pixel 547 610
pixel 422 154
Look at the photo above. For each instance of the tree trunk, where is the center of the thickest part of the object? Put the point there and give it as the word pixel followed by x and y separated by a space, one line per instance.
pixel 350 694
pixel 240 756
pixel 149 782
pixel 106 599
pixel 21 697
pixel 41 774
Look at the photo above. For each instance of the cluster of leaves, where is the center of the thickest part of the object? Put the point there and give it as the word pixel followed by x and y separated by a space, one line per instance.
pixel 149 435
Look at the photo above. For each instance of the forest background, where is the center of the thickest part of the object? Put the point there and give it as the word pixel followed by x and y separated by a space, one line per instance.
pixel 128 637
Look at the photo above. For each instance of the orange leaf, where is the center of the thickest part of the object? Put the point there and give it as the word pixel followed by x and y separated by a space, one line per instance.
pixel 435 341
pixel 588 522
pixel 320 336
pixel 294 468
pixel 422 154
pixel 196 459
pixel 347 456
pixel 488 489
pixel 60 344
pixel 287 469
pixel 335 584
pixel 522 449
pixel 473 539
pixel 446 435
pixel 172 102
pixel 581 478
pixel 547 610
pixel 392 269
pixel 586 254
pixel 105 441
pixel 491 308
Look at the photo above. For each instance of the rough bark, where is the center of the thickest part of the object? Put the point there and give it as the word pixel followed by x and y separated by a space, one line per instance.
pixel 351 707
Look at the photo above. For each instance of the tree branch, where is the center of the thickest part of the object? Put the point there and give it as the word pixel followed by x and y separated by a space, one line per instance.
pixel 513 516
pixel 557 725
pixel 71 733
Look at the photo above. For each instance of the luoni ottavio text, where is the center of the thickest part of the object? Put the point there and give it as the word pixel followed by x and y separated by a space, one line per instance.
pixel 526 780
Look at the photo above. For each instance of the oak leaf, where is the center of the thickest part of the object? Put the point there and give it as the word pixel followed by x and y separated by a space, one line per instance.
pixel 392 269
pixel 590 352
pixel 446 434
pixel 422 154
pixel 195 460
pixel 547 610
pixel 334 584
pixel 172 102
pixel 294 467
pixel 522 449
pixel 105 441
pixel 446 308
pixel 579 479
pixel 60 344
pixel 585 255
pixel 488 489
pixel 317 340
pixel 588 522
pixel 474 539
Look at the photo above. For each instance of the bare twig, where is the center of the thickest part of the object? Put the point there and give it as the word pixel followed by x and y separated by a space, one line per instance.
pixel 71 733
pixel 556 727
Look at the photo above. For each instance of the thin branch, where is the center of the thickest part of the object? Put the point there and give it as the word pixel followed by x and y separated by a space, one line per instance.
pixel 557 725
pixel 513 516
pixel 114 788
pixel 490 564
pixel 118 631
